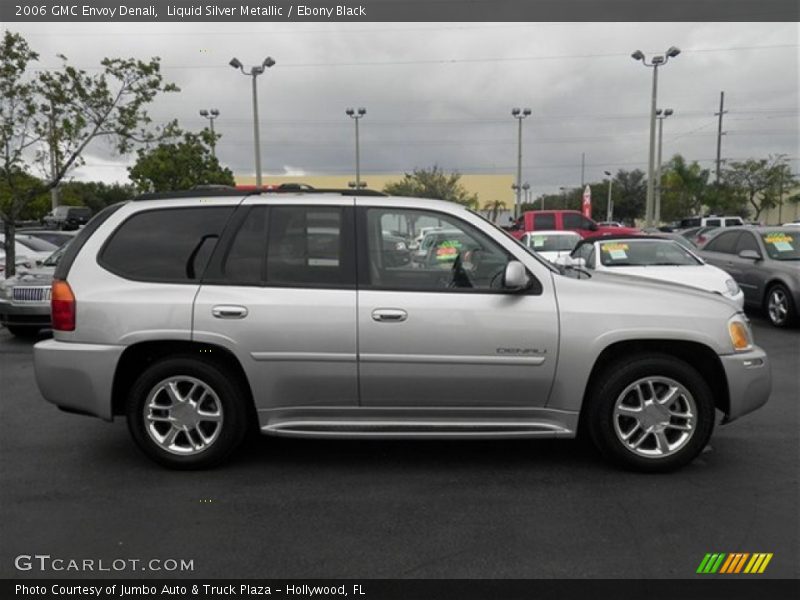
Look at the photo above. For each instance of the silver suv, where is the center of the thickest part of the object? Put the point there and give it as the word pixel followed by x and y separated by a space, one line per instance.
pixel 198 316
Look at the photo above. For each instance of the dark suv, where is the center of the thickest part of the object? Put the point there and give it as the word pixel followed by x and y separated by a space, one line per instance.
pixel 67 217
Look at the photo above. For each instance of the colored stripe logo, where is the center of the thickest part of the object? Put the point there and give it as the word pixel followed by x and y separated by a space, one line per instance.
pixel 734 563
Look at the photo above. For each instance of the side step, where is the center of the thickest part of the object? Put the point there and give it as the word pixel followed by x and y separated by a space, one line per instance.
pixel 415 429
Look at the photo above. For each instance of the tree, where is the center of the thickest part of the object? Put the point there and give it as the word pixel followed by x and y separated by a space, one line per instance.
pixel 48 118
pixel 760 182
pixel 180 165
pixel 493 208
pixel 685 189
pixel 433 183
pixel 630 195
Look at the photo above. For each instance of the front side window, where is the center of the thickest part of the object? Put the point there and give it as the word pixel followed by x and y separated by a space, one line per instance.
pixel 724 243
pixel 166 245
pixel 456 256
pixel 572 221
pixel 747 242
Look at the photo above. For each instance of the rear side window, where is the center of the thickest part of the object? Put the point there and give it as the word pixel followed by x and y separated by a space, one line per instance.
pixel 166 245
pixel 65 264
pixel 309 246
pixel 724 242
pixel 543 222
pixel 713 222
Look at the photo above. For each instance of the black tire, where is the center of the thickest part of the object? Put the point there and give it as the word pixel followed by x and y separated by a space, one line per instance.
pixel 775 317
pixel 616 379
pixel 227 392
pixel 24 331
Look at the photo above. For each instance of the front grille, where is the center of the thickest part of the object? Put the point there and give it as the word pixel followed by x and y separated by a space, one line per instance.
pixel 31 294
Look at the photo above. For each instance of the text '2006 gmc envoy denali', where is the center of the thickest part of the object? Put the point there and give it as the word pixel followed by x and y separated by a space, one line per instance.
pixel 199 315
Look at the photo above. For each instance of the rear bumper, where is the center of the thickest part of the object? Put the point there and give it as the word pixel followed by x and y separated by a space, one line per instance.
pixel 77 377
pixel 749 381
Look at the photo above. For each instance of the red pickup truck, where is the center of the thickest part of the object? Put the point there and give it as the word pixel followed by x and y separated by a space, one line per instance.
pixel 572 220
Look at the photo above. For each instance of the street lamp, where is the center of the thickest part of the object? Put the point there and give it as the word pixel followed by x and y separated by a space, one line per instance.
pixel 526 187
pixel 519 115
pixel 610 202
pixel 660 115
pixel 255 72
pixel 211 115
pixel 655 62
pixel 356 115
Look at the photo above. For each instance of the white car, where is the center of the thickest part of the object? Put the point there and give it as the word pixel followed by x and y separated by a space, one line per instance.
pixel 654 258
pixel 551 245
pixel 28 251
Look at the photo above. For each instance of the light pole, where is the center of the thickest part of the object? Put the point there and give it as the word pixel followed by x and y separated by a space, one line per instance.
pixel 610 202
pixel 211 115
pixel 254 73
pixel 563 191
pixel 356 115
pixel 660 115
pixel 519 115
pixel 655 62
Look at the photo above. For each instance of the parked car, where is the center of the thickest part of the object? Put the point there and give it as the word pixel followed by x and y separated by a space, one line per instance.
pixel 699 235
pixel 711 221
pixel 67 217
pixel 25 298
pixel 765 261
pixel 28 251
pixel 609 224
pixel 191 316
pixel 54 237
pixel 655 258
pixel 551 245
pixel 570 220
pixel 681 239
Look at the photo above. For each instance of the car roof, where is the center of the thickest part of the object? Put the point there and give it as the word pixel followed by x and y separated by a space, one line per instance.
pixel 553 232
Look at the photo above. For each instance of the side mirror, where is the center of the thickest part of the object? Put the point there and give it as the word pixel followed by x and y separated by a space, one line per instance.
pixel 579 262
pixel 750 254
pixel 593 226
pixel 515 277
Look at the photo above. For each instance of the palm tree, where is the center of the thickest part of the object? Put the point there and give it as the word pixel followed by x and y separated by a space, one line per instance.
pixel 494 207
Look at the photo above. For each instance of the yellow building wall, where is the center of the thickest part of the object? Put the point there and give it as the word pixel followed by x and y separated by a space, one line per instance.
pixel 488 187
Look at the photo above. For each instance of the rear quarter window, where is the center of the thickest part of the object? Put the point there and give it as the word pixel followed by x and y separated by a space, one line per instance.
pixel 170 245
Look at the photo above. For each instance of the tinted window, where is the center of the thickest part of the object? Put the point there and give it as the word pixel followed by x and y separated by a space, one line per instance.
pixel 724 242
pixel 244 259
pixel 456 258
pixel 572 221
pixel 713 222
pixel 171 244
pixel 733 222
pixel 543 222
pixel 309 245
pixel 75 246
pixel 747 241
pixel 81 212
pixel 691 222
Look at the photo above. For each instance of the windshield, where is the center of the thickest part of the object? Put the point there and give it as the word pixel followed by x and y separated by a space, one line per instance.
pixel 645 253
pixel 52 260
pixel 781 245
pixel 553 243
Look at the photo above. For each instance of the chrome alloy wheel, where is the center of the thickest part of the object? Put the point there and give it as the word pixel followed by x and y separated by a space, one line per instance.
pixel 655 417
pixel 778 306
pixel 183 415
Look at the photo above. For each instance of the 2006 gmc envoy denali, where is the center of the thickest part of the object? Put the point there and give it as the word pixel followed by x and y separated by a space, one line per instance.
pixel 201 314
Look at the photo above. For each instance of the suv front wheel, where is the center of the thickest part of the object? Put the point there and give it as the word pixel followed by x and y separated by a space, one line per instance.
pixel 186 413
pixel 653 413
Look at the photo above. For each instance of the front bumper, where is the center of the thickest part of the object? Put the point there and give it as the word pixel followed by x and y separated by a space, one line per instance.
pixel 77 377
pixel 25 314
pixel 749 381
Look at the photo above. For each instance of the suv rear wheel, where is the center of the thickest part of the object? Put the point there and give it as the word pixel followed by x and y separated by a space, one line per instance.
pixel 653 413
pixel 187 413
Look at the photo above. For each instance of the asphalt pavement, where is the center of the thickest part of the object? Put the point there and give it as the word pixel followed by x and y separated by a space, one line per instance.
pixel 76 488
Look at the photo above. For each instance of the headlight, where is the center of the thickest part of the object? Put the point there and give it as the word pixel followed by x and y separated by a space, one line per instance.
pixel 732 286
pixel 741 336
pixel 400 246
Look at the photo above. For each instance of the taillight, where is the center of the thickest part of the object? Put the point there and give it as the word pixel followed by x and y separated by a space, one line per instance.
pixel 62 306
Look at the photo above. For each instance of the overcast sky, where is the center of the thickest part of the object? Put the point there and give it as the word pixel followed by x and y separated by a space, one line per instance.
pixel 442 92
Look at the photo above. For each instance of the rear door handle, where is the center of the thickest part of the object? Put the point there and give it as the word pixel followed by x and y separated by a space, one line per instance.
pixel 389 315
pixel 229 311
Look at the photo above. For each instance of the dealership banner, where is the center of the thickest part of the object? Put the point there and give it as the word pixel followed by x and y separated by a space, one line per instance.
pixel 397 10
pixel 403 589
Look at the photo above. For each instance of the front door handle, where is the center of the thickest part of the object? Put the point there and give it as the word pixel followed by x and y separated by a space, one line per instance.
pixel 389 315
pixel 229 311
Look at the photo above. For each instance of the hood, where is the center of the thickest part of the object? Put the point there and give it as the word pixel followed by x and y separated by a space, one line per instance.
pixel 704 277
pixel 37 276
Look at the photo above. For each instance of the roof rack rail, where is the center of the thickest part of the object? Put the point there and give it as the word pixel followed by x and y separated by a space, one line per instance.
pixel 222 190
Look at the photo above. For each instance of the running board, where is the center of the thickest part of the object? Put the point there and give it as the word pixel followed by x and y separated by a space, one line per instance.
pixel 415 429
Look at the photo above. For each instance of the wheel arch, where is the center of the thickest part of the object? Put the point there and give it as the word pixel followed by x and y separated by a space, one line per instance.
pixel 701 357
pixel 137 357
